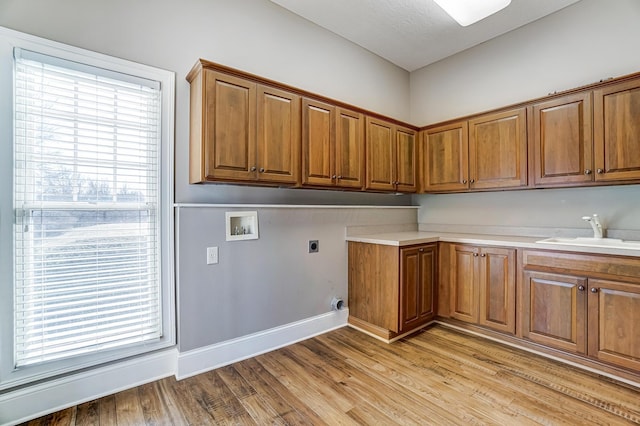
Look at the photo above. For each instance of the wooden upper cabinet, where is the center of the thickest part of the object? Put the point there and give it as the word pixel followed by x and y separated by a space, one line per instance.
pixel 225 149
pixel 241 131
pixel 562 138
pixel 498 150
pixel 391 153
pixel 332 145
pixel 444 158
pixel 318 142
pixel 616 126
pixel 380 155
pixel 349 158
pixel 278 138
pixel 406 167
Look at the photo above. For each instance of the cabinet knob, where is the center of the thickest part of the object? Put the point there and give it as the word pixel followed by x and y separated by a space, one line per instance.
pixel 581 287
pixel 600 171
pixel 472 181
pixel 587 172
pixel 253 169
pixel 339 177
pixel 475 254
pixel 333 177
pixel 594 290
pixel 420 249
pixel 261 170
pixel 464 181
pixel 483 255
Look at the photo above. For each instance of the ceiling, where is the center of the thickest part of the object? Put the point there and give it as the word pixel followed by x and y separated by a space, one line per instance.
pixel 414 33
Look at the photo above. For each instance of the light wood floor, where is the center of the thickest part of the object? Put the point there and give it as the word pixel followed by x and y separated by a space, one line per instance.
pixel 435 377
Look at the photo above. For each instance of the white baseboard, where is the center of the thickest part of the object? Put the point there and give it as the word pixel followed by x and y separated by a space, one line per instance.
pixel 38 400
pixel 218 355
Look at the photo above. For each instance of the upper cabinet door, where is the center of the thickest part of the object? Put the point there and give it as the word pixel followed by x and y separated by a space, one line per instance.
pixel 562 141
pixel 318 143
pixel 406 160
pixel 349 149
pixel 617 131
pixel 229 127
pixel 380 151
pixel 444 158
pixel 498 150
pixel 278 139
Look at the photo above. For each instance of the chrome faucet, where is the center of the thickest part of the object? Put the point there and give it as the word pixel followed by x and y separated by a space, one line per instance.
pixel 594 221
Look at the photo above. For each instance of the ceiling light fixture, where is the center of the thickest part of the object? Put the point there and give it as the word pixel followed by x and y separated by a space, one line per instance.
pixel 467 12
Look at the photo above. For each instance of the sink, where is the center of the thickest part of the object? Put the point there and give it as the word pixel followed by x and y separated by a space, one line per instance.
pixel 594 242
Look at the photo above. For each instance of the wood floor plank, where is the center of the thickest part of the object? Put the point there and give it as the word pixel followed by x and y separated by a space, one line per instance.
pixel 128 408
pixel 88 414
pixel 107 407
pixel 437 376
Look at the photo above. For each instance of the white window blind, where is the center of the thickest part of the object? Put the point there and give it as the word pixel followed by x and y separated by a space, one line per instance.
pixel 86 194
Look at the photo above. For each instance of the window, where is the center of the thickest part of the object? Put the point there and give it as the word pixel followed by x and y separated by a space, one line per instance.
pixel 91 203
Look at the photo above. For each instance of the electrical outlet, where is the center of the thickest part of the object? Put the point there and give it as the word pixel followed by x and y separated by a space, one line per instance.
pixel 212 255
pixel 314 246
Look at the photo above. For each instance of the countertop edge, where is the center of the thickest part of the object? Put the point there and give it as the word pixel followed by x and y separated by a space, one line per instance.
pixel 403 239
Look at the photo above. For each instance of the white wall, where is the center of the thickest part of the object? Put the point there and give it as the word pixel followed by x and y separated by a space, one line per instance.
pixel 581 44
pixel 578 45
pixel 252 35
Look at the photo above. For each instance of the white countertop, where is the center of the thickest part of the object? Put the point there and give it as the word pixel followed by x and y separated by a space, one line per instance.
pixel 407 238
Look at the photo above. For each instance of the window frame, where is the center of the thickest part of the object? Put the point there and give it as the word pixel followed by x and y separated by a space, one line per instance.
pixel 9 375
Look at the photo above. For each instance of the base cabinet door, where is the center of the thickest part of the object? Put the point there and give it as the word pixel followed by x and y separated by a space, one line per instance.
pixel 483 286
pixel 614 322
pixel 554 311
pixel 464 291
pixel 418 268
pixel 497 282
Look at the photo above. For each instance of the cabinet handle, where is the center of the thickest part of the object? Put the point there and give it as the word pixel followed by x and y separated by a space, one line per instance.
pixel 472 181
pixel 594 290
pixel 587 172
pixel 464 181
pixel 261 169
pixel 475 254
pixel 600 171
pixel 421 249
pixel 339 177
pixel 253 169
pixel 333 177
pixel 581 287
pixel 483 255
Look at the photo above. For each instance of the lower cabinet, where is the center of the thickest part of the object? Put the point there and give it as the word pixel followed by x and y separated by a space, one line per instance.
pixel 391 289
pixel 583 304
pixel 482 287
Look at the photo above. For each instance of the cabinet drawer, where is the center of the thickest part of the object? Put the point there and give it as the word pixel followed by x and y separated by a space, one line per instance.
pixel 593 265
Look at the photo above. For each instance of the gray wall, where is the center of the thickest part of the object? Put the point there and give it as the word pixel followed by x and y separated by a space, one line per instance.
pixel 264 283
pixel 583 43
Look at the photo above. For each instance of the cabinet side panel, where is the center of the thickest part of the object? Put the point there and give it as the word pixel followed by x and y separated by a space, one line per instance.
pixel 196 142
